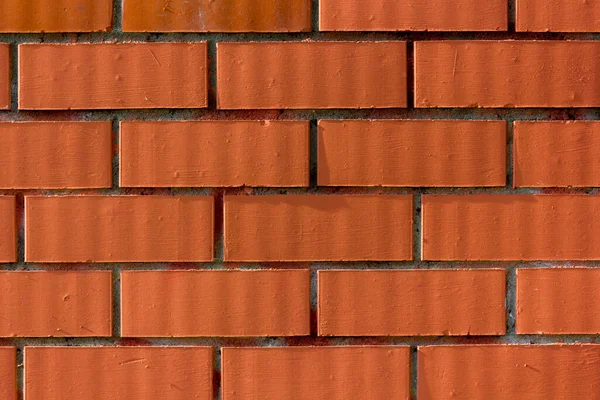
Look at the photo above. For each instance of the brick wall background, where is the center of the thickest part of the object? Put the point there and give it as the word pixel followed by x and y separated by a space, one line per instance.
pixel 294 199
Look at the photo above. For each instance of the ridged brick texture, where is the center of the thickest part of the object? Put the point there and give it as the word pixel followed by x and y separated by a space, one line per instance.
pixel 299 199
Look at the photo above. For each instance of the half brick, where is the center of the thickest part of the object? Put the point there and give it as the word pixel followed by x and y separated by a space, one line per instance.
pixel 4 76
pixel 214 153
pixel 318 228
pixel 8 373
pixel 301 372
pixel 8 229
pixel 119 229
pixel 215 303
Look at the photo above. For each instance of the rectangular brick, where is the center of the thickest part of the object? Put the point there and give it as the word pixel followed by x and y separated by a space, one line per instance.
pixel 510 227
pixel 119 228
pixel 411 153
pixel 318 228
pixel 215 303
pixel 556 153
pixel 55 155
pixel 413 15
pixel 558 16
pixel 112 75
pixel 558 300
pixel 4 76
pixel 412 302
pixel 56 16
pixel 132 373
pixel 507 73
pixel 8 229
pixel 217 16
pixel 302 373
pixel 55 303
pixel 507 372
pixel 311 75
pixel 214 153
pixel 8 373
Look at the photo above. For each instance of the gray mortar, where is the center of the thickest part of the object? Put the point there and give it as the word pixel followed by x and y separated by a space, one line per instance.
pixel 116 116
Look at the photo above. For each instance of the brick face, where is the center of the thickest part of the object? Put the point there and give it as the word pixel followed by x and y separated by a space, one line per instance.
pixel 557 16
pixel 8 373
pixel 274 75
pixel 4 76
pixel 8 229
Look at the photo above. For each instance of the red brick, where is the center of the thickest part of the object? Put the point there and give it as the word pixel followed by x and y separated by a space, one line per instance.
pixel 556 153
pixel 8 373
pixel 55 303
pixel 558 16
pixel 8 229
pixel 413 15
pixel 318 228
pixel 4 76
pixel 56 15
pixel 558 300
pixel 411 153
pixel 507 372
pixel 214 153
pixel 217 16
pixel 302 373
pixel 311 75
pixel 112 75
pixel 511 227
pixel 507 73
pixel 118 228
pixel 215 303
pixel 54 155
pixel 412 303
pixel 133 373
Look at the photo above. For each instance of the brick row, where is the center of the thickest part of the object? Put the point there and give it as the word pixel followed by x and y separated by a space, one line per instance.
pixel 173 373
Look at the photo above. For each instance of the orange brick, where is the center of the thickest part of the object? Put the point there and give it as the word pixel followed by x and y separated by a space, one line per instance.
pixel 55 155
pixel 56 15
pixel 215 303
pixel 411 153
pixel 55 303
pixel 507 73
pixel 217 16
pixel 302 373
pixel 4 76
pixel 413 15
pixel 8 373
pixel 507 372
pixel 214 153
pixel 558 16
pixel 112 75
pixel 558 300
pixel 118 228
pixel 311 75
pixel 133 373
pixel 318 228
pixel 556 153
pixel 511 227
pixel 8 229
pixel 412 303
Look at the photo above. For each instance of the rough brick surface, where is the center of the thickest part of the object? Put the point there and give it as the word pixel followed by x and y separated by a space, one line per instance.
pixel 507 74
pixel 56 15
pixel 505 372
pixel 215 303
pixel 275 75
pixel 105 76
pixel 118 228
pixel 4 76
pixel 8 373
pixel 558 300
pixel 216 16
pixel 413 15
pixel 55 155
pixel 558 15
pixel 412 153
pixel 318 228
pixel 8 229
pixel 136 373
pixel 412 303
pixel 332 372
pixel 214 153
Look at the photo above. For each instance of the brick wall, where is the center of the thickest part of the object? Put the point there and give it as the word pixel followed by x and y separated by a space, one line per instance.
pixel 296 199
